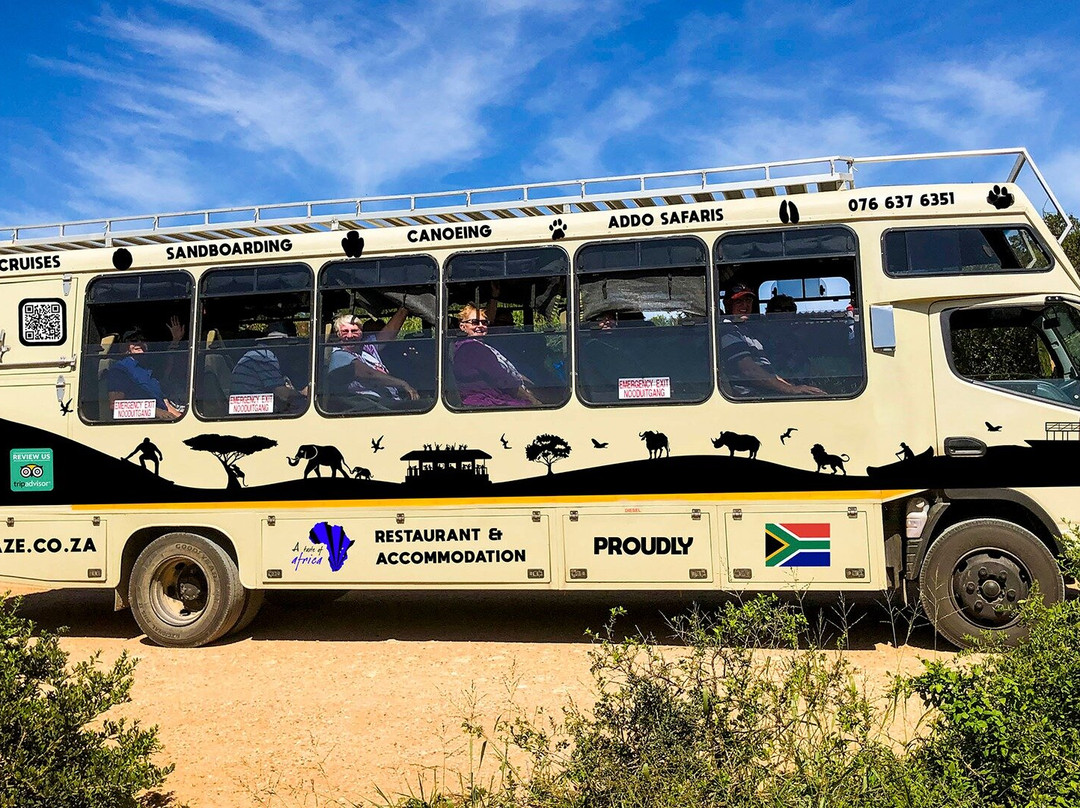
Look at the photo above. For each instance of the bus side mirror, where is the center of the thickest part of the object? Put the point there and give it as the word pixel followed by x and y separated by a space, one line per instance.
pixel 882 329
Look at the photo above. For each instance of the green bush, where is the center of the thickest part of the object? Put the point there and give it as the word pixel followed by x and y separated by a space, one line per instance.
pixel 750 711
pixel 1007 727
pixel 56 749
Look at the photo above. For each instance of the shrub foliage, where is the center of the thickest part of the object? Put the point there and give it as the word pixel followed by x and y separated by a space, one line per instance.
pixel 56 748
pixel 750 711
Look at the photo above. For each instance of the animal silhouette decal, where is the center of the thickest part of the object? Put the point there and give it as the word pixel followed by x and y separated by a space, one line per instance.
pixel 823 459
pixel 655 442
pixel 737 443
pixel 317 456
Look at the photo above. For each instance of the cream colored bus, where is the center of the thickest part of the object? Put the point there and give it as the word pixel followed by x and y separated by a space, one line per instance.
pixel 745 379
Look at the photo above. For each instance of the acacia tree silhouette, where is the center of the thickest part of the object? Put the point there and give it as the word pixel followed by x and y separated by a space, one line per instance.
pixel 547 449
pixel 228 449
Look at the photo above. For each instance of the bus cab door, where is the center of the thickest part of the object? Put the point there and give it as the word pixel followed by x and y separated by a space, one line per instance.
pixel 1005 395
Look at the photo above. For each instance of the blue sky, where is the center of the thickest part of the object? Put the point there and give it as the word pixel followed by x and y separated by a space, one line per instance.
pixel 121 108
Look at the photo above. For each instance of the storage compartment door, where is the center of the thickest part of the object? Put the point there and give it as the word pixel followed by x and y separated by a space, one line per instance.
pixel 456 548
pixel 619 547
pixel 62 549
pixel 797 547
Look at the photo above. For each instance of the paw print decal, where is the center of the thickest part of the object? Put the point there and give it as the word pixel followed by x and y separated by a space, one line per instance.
pixel 558 229
pixel 788 212
pixel 1000 197
pixel 353 244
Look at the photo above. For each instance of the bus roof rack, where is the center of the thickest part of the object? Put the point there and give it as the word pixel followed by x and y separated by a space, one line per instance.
pixel 814 175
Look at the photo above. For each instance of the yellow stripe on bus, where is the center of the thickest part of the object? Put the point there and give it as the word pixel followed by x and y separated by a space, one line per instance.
pixel 868 496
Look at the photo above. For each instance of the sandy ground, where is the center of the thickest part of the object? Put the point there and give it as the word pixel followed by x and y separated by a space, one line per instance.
pixel 309 706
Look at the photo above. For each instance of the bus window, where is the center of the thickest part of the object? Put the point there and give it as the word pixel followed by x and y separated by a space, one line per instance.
pixel 136 353
pixel 1029 350
pixel 376 344
pixel 253 354
pixel 963 251
pixel 642 322
pixel 506 329
pixel 789 325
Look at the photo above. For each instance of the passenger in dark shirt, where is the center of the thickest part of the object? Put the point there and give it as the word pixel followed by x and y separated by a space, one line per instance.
pixel 259 371
pixel 484 376
pixel 129 379
pixel 744 364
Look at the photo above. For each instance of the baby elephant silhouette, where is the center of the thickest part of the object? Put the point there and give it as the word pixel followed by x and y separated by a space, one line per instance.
pixel 823 459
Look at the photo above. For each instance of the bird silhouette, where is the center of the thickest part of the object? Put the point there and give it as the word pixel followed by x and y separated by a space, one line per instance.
pixel 505 442
pixel 787 433
pixel 65 408
pixel 597 444
pixel 991 428
pixel 377 444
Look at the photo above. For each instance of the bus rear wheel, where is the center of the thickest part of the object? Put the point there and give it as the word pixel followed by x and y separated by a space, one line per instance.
pixel 976 575
pixel 253 601
pixel 185 591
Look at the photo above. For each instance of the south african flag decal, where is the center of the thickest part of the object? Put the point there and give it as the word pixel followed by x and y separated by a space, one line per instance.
pixel 797 545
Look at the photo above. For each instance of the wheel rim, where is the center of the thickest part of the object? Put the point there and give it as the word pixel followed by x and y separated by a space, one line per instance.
pixel 179 591
pixel 988 585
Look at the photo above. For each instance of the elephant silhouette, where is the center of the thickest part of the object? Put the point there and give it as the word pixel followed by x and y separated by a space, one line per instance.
pixel 317 456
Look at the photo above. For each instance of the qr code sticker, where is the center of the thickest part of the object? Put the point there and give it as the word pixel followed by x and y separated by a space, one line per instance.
pixel 42 322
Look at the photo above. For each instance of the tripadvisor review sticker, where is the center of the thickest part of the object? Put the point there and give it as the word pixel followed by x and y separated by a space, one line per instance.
pixel 31 469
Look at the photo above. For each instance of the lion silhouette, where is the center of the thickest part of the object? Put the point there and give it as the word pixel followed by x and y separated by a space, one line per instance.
pixel 823 459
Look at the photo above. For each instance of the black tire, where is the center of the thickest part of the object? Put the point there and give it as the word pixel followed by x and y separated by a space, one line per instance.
pixel 976 574
pixel 253 601
pixel 185 591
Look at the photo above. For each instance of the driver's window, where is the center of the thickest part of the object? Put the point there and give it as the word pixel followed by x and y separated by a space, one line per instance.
pixel 1029 350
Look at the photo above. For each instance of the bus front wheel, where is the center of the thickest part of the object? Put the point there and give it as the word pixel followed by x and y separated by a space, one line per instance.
pixel 185 591
pixel 976 575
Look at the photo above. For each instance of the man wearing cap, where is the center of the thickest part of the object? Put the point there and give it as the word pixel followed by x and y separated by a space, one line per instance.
pixel 259 371
pixel 129 379
pixel 744 365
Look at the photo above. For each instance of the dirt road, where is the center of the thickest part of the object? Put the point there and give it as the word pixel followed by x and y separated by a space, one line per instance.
pixel 371 689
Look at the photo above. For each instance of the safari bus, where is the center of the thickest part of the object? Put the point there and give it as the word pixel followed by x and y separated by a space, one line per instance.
pixel 753 378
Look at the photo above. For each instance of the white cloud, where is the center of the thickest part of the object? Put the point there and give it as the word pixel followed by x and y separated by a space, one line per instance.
pixel 354 100
pixel 960 101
